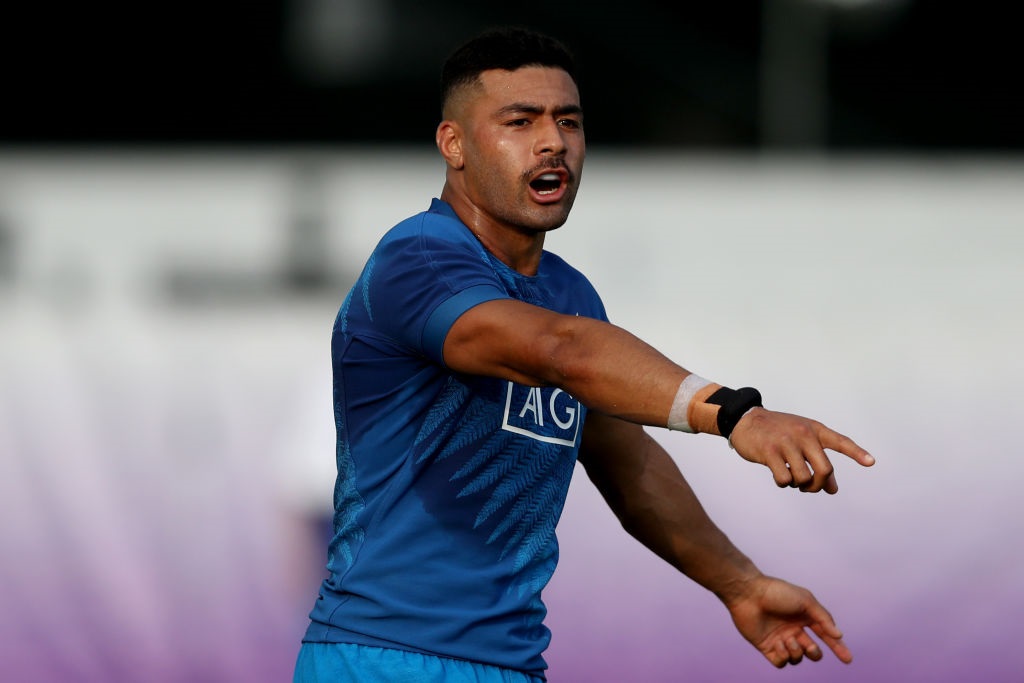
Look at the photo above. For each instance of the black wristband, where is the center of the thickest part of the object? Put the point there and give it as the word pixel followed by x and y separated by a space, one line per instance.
pixel 734 404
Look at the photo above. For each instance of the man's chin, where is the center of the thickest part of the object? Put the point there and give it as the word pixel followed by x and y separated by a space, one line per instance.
pixel 545 217
pixel 548 224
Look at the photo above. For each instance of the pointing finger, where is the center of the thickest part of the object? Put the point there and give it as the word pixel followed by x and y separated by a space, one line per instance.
pixel 845 445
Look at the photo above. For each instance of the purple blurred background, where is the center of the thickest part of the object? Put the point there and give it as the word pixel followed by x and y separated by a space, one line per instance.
pixel 165 414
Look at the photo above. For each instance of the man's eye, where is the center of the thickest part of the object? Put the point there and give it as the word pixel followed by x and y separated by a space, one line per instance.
pixel 518 123
pixel 570 123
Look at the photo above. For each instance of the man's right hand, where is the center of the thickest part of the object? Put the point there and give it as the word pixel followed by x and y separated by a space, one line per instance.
pixel 793 448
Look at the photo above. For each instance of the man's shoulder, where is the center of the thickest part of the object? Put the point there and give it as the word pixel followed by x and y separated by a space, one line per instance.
pixel 438 221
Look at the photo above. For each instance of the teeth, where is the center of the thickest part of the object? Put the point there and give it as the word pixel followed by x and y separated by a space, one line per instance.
pixel 547 183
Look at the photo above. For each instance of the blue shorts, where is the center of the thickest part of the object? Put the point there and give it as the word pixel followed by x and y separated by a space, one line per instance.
pixel 336 662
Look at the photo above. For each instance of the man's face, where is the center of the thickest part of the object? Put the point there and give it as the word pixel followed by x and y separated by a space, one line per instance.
pixel 524 146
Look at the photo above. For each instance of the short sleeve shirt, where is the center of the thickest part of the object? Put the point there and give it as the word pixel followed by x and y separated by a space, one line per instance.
pixel 449 486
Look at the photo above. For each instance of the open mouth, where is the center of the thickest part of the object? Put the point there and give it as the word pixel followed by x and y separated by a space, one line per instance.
pixel 546 184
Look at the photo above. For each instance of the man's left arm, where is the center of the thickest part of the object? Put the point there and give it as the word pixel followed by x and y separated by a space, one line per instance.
pixel 655 504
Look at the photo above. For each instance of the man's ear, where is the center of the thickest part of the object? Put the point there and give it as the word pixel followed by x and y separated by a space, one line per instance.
pixel 449 143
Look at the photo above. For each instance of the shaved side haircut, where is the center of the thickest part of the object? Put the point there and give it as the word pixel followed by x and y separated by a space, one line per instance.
pixel 508 48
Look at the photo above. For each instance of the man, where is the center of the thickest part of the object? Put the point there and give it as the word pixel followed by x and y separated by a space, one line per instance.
pixel 471 370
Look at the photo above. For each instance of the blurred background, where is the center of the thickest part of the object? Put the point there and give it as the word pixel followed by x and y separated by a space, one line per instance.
pixel 835 75
pixel 822 199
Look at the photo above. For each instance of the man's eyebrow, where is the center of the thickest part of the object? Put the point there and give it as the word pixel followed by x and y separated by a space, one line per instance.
pixel 529 108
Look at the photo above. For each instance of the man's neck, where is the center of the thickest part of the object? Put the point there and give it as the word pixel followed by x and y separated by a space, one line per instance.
pixel 517 248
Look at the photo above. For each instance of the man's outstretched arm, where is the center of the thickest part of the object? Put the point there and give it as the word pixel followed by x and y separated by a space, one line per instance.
pixel 655 504
pixel 614 372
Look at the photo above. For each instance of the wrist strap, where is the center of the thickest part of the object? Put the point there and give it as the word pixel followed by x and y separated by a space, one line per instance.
pixel 734 404
pixel 705 407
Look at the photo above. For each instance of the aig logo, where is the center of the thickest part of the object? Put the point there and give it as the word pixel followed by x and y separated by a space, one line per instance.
pixel 542 413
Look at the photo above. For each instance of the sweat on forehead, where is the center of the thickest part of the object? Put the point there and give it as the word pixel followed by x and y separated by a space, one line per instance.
pixel 526 88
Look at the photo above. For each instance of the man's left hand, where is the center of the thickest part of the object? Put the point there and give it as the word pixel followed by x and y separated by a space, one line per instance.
pixel 773 615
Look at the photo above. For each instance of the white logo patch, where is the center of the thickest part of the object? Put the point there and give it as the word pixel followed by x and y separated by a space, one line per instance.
pixel 543 413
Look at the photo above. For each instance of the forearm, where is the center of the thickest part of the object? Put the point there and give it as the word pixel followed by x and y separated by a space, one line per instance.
pixel 612 371
pixel 604 366
pixel 657 506
pixel 664 514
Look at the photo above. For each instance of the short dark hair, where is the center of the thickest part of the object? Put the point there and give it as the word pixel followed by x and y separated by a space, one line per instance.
pixel 507 48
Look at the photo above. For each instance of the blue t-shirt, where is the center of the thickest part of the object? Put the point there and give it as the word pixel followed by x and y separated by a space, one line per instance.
pixel 449 486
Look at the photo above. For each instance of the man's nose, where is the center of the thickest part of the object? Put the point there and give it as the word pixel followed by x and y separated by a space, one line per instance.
pixel 550 139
